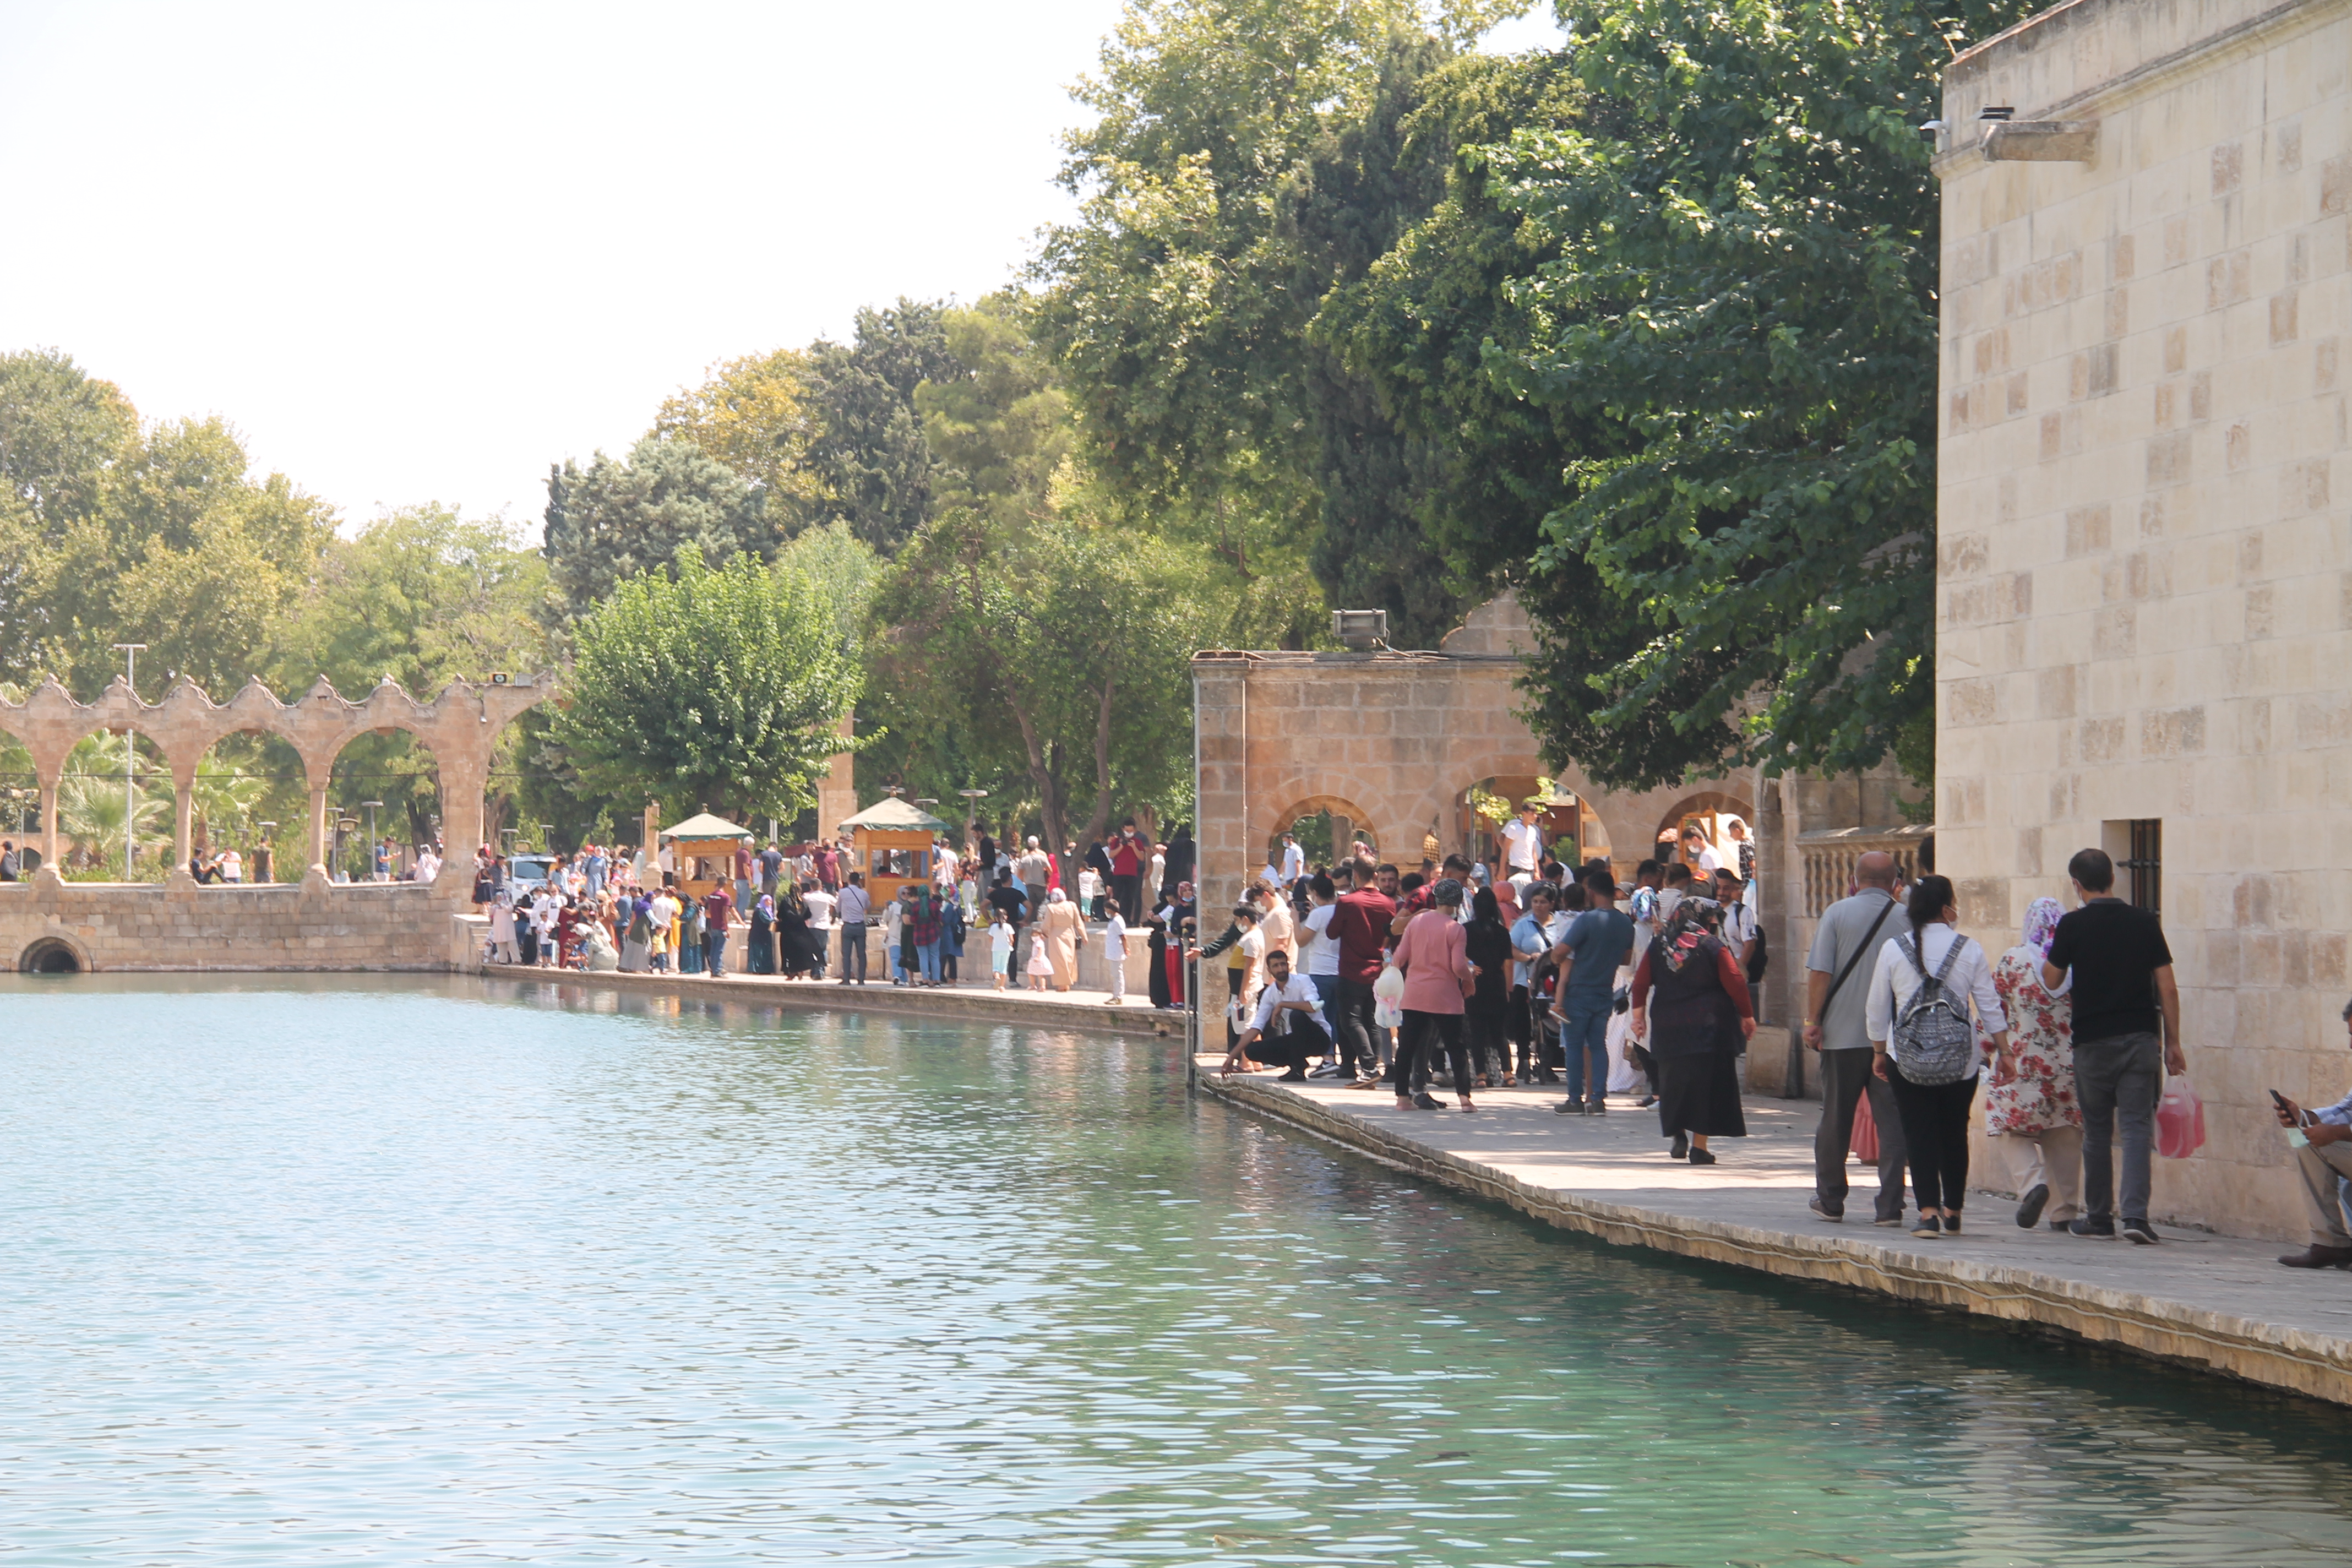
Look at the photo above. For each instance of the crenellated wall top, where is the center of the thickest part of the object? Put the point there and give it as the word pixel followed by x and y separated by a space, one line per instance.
pixel 460 726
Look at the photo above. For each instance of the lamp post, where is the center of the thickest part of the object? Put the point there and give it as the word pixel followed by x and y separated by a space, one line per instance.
pixel 547 837
pixel 344 823
pixel 129 652
pixel 371 806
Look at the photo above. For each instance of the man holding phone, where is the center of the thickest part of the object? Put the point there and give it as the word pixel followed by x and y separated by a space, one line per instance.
pixel 2323 1152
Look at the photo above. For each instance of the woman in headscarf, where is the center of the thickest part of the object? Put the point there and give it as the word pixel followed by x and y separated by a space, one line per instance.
pixel 760 958
pixel 797 946
pixel 2033 1101
pixel 1065 931
pixel 636 934
pixel 1692 1002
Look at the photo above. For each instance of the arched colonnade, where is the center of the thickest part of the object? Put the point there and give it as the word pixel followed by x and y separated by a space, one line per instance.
pixel 460 727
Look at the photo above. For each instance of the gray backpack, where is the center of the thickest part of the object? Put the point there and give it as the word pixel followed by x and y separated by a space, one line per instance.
pixel 1935 1040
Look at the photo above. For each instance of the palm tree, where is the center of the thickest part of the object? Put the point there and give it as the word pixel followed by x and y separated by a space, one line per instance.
pixel 224 799
pixel 91 809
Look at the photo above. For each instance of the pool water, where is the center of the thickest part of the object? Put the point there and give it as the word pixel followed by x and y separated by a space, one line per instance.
pixel 364 1271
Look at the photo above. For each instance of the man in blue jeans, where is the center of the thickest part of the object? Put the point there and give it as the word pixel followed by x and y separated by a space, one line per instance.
pixel 1598 943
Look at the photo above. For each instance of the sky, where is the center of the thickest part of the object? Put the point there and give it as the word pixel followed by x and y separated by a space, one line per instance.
pixel 419 252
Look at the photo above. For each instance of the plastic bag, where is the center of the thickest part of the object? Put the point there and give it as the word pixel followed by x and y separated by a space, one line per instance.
pixel 1388 999
pixel 1865 1132
pixel 2180 1121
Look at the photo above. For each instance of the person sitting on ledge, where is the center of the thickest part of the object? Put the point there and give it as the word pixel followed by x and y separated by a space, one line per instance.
pixel 2322 1154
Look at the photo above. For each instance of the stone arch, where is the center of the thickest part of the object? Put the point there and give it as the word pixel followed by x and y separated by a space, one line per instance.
pixel 53 954
pixel 275 777
pixel 1717 801
pixel 397 763
pixel 1307 801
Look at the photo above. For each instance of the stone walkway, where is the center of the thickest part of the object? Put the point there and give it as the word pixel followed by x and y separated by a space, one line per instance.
pixel 2216 1302
pixel 977 1000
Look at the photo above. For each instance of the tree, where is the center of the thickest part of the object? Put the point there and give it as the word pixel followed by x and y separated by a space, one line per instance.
pixel 1080 634
pixel 617 519
pixel 758 415
pixel 1743 293
pixel 710 688
pixel 871 457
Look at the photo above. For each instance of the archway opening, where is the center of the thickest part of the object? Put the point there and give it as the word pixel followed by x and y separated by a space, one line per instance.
pixel 49 957
pixel 1327 829
pixel 1725 826
pixel 20 804
pixel 108 799
pixel 251 800
pixel 1572 830
pixel 384 806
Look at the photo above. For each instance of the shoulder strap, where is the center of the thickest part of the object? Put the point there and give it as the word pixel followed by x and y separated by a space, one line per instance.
pixel 1830 995
pixel 1952 955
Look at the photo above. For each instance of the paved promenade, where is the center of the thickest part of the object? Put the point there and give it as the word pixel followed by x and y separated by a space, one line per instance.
pixel 1047 1009
pixel 2215 1303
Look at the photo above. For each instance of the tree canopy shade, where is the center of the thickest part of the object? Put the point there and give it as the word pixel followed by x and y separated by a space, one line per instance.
pixel 871 457
pixel 758 415
pixel 617 519
pixel 702 689
pixel 1740 291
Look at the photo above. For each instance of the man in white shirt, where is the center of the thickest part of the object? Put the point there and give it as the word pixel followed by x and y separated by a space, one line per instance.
pixel 1321 950
pixel 854 907
pixel 1526 841
pixel 1114 955
pixel 1536 935
pixel 1288 1026
pixel 1704 861
pixel 820 905
pixel 1294 859
pixel 943 867
pixel 1739 920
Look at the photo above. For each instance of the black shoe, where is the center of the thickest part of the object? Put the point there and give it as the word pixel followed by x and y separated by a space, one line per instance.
pixel 2030 1207
pixel 2061 1226
pixel 1597 1107
pixel 1701 1157
pixel 1646 1101
pixel 1424 1102
pixel 2140 1232
pixel 1822 1213
pixel 1568 1108
pixel 1295 1075
pixel 2096 1229
pixel 2318 1257
pixel 1680 1151
pixel 1546 1076
pixel 1952 1225
pixel 1929 1226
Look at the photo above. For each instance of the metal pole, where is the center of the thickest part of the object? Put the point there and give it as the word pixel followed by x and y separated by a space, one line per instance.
pixel 129 652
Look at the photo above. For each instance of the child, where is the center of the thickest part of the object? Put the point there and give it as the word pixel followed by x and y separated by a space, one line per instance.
pixel 1115 952
pixel 1000 946
pixel 1040 968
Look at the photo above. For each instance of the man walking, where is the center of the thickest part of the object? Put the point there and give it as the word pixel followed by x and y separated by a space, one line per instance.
pixel 1599 942
pixel 2122 976
pixel 1032 868
pixel 853 906
pixel 1359 922
pixel 1844 955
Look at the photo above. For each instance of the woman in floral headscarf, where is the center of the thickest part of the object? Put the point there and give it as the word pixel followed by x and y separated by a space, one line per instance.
pixel 1691 999
pixel 2035 1103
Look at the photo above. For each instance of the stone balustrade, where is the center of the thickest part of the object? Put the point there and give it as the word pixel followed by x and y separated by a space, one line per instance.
pixel 1826 860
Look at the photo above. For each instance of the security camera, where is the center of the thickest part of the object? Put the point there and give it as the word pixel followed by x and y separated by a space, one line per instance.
pixel 1929 131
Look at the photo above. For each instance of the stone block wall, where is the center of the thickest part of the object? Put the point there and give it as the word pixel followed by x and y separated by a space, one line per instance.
pixel 181 926
pixel 2144 559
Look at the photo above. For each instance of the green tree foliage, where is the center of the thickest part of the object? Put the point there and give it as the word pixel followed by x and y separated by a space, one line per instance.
pixel 871 457
pixel 615 520
pixel 111 532
pixel 758 415
pixel 698 687
pixel 1742 294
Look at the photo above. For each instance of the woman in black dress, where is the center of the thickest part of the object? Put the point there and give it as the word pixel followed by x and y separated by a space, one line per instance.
pixel 796 945
pixel 1487 944
pixel 1689 986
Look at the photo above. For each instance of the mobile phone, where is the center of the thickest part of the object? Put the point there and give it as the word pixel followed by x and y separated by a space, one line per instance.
pixel 2279 1099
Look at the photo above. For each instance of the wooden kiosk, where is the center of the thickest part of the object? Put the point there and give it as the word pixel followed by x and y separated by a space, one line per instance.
pixel 891 843
pixel 705 849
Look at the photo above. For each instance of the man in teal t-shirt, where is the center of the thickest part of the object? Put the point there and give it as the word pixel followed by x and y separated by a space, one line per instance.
pixel 1598 943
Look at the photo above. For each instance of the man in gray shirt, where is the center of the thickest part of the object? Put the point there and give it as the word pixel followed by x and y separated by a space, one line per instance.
pixel 1844 953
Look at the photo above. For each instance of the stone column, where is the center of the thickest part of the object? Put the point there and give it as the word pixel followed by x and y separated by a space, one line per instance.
pixel 47 777
pixel 183 820
pixel 461 822
pixel 319 826
pixel 836 792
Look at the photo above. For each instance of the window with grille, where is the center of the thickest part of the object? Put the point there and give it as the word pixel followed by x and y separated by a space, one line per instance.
pixel 2145 865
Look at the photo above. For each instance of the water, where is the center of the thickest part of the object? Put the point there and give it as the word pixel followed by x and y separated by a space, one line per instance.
pixel 439 1271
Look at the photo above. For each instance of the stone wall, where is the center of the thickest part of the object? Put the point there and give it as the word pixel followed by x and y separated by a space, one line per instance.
pixel 2144 600
pixel 179 925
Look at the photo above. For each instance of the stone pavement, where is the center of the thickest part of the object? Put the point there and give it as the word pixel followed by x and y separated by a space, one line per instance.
pixel 2216 1302
pixel 976 1000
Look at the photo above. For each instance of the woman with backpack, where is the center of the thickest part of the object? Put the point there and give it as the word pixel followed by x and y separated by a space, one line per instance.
pixel 1923 1045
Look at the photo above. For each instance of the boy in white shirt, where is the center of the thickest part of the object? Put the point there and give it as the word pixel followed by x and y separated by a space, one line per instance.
pixel 1115 952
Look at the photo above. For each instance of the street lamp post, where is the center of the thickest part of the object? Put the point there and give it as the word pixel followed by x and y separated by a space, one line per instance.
pixel 371 806
pixel 129 652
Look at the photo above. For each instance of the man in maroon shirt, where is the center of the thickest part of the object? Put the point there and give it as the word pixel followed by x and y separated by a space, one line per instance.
pixel 717 905
pixel 1359 921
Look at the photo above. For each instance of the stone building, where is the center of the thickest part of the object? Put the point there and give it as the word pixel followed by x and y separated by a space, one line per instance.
pixel 2145 578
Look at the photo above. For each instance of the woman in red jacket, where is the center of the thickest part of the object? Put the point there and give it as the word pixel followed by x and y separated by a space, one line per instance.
pixel 1437 974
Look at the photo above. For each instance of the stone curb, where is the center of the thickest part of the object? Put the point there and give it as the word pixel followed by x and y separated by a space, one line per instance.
pixel 2271 1354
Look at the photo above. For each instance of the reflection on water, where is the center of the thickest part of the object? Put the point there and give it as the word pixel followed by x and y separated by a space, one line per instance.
pixel 440 1271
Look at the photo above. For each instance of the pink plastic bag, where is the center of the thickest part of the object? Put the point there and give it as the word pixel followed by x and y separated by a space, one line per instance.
pixel 2179 1121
